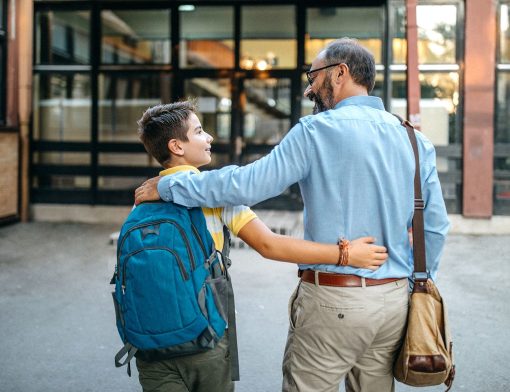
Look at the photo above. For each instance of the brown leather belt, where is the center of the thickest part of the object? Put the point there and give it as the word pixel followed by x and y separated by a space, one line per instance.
pixel 340 280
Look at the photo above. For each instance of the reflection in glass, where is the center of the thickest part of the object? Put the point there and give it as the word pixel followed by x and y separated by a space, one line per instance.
pixel 504 33
pixel 124 98
pixel 328 23
pixel 120 183
pixel 378 90
pixel 502 134
pixel 127 159
pixel 60 182
pixel 62 107
pixel 2 13
pixel 214 105
pixel 207 37
pixel 502 140
pixel 439 122
pixel 268 37
pixel 61 157
pixel 267 110
pixel 436 34
pixel 398 34
pixel 62 37
pixel 307 105
pixel 438 105
pixel 135 36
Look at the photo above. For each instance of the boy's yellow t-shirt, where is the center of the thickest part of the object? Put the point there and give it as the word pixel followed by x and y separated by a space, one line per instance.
pixel 235 218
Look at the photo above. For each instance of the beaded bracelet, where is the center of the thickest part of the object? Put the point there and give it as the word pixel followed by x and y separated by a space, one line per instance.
pixel 343 246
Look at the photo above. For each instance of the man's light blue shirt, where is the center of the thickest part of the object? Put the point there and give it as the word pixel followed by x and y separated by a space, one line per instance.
pixel 355 169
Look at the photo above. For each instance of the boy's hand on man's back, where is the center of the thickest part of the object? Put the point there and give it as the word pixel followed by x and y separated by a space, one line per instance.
pixel 148 191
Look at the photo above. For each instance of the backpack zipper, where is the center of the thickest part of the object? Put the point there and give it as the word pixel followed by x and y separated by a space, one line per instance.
pixel 181 231
pixel 195 232
pixel 184 274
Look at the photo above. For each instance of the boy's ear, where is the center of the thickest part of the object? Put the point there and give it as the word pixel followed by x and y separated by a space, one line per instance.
pixel 175 147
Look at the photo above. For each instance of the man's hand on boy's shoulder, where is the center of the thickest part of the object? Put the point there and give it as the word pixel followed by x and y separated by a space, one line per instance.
pixel 148 191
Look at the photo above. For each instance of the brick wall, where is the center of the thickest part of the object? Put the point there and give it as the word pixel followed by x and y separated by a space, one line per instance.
pixel 9 153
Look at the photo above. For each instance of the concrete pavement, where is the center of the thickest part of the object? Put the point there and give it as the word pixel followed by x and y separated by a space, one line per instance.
pixel 57 329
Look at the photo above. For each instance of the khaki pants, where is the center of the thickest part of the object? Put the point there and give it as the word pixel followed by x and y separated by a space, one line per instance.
pixel 344 332
pixel 205 372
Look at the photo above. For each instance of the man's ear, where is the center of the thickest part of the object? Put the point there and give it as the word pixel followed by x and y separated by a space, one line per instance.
pixel 175 147
pixel 342 71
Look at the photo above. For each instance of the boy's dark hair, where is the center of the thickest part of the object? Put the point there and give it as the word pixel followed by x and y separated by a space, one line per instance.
pixel 161 123
pixel 360 61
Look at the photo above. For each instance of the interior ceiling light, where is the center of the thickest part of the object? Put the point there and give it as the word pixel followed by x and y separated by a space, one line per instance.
pixel 187 7
pixel 262 65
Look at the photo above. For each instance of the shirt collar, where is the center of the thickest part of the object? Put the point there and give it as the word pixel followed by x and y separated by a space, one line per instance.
pixel 363 100
pixel 177 169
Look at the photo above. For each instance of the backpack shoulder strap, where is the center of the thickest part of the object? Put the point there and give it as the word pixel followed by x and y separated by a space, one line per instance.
pixel 232 329
pixel 227 242
pixel 127 351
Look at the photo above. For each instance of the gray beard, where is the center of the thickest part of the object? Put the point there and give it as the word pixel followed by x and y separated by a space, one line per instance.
pixel 319 104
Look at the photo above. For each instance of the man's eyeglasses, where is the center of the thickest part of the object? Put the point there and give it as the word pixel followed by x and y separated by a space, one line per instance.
pixel 309 73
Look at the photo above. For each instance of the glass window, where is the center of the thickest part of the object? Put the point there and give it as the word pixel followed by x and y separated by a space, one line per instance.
pixel 214 103
pixel 62 37
pixel 502 147
pixel 207 37
pixel 3 6
pixel 504 33
pixel 503 108
pixel 120 183
pixel 135 36
pixel 438 105
pixel 60 181
pixel 307 105
pixel 62 107
pixel 267 110
pixel 398 34
pixel 3 61
pixel 268 37
pixel 328 23
pixel 123 99
pixel 439 122
pixel 127 159
pixel 436 34
pixel 61 158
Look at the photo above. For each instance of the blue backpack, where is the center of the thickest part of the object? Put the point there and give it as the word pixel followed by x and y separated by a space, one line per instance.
pixel 173 294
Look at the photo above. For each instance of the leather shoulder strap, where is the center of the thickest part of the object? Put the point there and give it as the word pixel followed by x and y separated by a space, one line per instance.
pixel 420 262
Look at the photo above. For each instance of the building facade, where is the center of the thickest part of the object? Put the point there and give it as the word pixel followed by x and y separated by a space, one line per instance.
pixel 95 66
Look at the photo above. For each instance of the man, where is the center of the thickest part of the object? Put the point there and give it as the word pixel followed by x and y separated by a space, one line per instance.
pixel 355 168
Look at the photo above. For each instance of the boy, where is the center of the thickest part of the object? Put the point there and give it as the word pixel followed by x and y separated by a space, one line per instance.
pixel 173 135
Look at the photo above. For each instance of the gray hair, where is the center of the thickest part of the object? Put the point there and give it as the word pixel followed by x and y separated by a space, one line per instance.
pixel 360 61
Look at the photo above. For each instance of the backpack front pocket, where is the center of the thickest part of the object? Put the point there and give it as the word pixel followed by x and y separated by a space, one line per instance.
pixel 168 303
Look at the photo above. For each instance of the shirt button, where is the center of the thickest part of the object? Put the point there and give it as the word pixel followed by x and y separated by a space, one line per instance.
pixel 340 315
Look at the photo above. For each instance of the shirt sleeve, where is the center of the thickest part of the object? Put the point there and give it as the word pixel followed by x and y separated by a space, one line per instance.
pixel 434 214
pixel 237 217
pixel 267 177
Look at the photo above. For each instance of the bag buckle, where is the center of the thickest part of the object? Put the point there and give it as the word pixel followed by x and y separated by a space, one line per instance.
pixel 420 276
